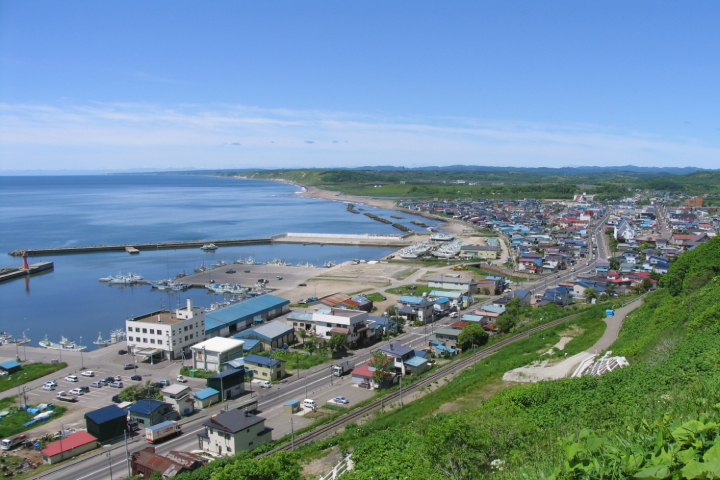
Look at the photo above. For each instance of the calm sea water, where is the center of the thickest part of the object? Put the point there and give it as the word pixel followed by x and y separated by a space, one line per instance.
pixel 38 212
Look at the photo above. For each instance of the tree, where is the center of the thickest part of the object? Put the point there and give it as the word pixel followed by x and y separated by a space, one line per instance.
pixel 590 294
pixel 473 334
pixel 337 343
pixel 382 365
pixel 505 323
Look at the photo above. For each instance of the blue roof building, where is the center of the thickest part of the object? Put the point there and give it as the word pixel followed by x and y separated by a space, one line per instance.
pixel 275 334
pixel 242 315
pixel 106 423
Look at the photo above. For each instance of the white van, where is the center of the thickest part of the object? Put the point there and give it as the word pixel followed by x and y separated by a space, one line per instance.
pixel 308 403
pixel 262 383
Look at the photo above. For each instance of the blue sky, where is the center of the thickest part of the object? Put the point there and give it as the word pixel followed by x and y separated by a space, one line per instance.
pixel 231 84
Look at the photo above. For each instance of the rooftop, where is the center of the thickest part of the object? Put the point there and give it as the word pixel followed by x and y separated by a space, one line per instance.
pixel 219 344
pixel 74 440
pixel 165 317
pixel 233 421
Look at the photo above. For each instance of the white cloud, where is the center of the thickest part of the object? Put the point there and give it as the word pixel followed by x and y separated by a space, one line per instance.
pixel 142 135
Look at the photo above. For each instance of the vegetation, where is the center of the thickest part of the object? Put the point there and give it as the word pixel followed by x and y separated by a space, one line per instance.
pixel 12 424
pixel 473 335
pixel 139 391
pixel 28 373
pixel 299 360
pixel 197 372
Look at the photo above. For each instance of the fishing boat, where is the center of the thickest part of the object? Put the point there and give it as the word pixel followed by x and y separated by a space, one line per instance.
pixel 200 269
pixel 442 237
pixel 117 335
pixel 209 247
pixel 101 342
pixel 67 345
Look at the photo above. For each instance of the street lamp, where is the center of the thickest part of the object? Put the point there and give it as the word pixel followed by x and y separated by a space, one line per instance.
pixel 81 355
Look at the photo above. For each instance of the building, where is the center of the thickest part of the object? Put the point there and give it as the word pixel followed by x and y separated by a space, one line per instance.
pixel 210 354
pixel 232 431
pixel 10 367
pixel 240 316
pixel 484 252
pixel 416 309
pixel 351 323
pixel 453 282
pixel 447 336
pixel 180 397
pixel 365 374
pixel 265 368
pixel 106 423
pixel 401 355
pixel 275 334
pixel 170 333
pixel 206 397
pixel 150 412
pixel 229 383
pixel 70 446
pixel 144 463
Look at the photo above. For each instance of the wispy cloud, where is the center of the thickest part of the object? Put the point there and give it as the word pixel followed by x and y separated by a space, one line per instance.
pixel 143 135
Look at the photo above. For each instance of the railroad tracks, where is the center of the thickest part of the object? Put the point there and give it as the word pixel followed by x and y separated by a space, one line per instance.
pixel 449 369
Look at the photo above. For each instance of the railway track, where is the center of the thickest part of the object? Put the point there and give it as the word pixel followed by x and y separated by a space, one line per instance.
pixel 451 368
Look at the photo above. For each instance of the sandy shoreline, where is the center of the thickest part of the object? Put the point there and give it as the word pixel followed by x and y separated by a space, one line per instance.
pixel 449 225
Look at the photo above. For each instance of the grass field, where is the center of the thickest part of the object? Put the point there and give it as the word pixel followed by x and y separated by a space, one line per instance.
pixel 12 424
pixel 29 372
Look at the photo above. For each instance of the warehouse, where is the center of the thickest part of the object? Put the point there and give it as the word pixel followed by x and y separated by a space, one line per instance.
pixel 68 447
pixel 240 316
pixel 106 423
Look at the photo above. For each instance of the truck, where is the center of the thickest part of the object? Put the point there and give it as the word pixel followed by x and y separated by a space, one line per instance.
pixel 11 442
pixel 65 397
pixel 342 368
pixel 462 266
pixel 162 430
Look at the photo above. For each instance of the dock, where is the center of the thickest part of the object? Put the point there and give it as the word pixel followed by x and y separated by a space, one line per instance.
pixel 366 240
pixel 32 269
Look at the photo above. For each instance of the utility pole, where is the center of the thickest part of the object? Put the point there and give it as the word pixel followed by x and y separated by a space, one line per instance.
pixel 82 364
pixel 127 452
pixel 306 395
pixel 292 434
pixel 109 455
pixel 401 401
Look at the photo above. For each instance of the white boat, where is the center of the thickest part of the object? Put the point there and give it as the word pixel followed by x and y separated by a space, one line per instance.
pixel 209 247
pixel 101 342
pixel 64 344
pixel 219 263
pixel 442 237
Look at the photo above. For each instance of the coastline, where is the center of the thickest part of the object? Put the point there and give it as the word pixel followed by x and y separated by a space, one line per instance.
pixel 449 225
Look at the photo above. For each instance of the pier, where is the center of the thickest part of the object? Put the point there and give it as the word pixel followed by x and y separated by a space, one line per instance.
pixel 24 272
pixel 368 240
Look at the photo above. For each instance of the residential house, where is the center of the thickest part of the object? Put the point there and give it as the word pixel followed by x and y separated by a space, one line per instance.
pixel 231 382
pixel 210 354
pixel 265 368
pixel 351 323
pixel 180 397
pixel 366 374
pixel 145 463
pixel 453 282
pixel 229 432
pixel 400 356
pixel 150 412
pixel 416 309
pixel 275 334
pixel 480 252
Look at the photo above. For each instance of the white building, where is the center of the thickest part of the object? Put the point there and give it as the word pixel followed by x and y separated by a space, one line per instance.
pixel 170 333
pixel 352 323
pixel 210 354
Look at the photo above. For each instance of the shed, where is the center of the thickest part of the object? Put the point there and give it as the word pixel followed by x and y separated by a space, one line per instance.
pixel 68 447
pixel 292 407
pixel 206 397
pixel 10 367
pixel 106 423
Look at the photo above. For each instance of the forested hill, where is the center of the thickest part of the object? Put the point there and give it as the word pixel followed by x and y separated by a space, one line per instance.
pixel 657 418
pixel 453 182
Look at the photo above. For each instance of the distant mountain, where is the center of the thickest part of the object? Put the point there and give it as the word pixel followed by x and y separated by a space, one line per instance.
pixel 544 170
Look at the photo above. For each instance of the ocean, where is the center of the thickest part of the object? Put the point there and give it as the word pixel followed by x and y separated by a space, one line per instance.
pixel 37 212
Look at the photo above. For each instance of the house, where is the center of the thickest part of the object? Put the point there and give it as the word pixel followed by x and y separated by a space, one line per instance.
pixel 417 365
pixel 230 383
pixel 416 309
pixel 301 321
pixel 229 432
pixel 239 316
pixel 364 373
pixel 525 297
pixel 558 295
pixel 340 321
pixel 441 350
pixel 180 397
pixel 452 282
pixel 206 397
pixel 381 325
pixel 210 354
pixel 74 444
pixel 167 333
pixel 145 463
pixel 275 334
pixel 454 296
pixel 150 412
pixel 265 368
pixel 106 423
pixel 447 336
pixel 400 355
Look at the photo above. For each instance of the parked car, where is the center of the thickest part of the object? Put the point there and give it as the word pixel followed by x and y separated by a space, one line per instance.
pixel 84 389
pixel 71 378
pixel 128 366
pixel 180 379
pixel 50 383
pixel 162 383
pixel 98 384
pixel 278 277
pixel 230 271
pixel 137 378
pixel 88 373
pixel 122 351
pixel 48 387
pixel 342 400
pixel 109 380
pixel 76 391
pixel 302 284
pixel 364 384
pixel 116 384
pixel 116 399
pixel 117 378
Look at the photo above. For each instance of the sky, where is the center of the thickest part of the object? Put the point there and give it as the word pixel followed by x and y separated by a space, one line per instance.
pixel 114 85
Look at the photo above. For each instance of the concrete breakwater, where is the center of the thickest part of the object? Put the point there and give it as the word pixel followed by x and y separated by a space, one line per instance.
pixel 369 240
pixel 13 273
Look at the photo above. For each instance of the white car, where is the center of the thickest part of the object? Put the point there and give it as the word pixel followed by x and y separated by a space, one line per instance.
pixel 76 391
pixel 180 379
pixel 71 378
pixel 88 373
pixel 50 383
